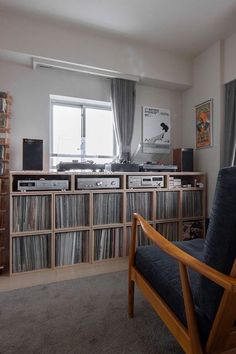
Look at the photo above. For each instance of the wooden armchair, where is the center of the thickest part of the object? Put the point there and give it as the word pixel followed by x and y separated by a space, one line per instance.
pixel 192 284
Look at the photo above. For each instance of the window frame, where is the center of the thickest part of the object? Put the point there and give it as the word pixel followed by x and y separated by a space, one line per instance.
pixel 83 104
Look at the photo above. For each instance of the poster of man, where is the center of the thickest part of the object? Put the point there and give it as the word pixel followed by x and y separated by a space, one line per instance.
pixel 204 124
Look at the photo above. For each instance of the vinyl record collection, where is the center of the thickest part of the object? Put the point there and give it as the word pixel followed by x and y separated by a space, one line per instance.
pixel 107 208
pixel 108 243
pixel 192 203
pixel 167 205
pixel 31 253
pixel 72 247
pixel 72 210
pixel 169 230
pixel 2 152
pixel 31 213
pixel 1 168
pixel 140 203
pixel 141 239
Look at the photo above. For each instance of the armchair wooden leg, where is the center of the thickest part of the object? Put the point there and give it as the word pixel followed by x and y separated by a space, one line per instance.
pixel 131 264
pixel 131 299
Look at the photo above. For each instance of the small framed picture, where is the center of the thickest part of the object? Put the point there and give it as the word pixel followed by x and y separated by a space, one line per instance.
pixel 203 113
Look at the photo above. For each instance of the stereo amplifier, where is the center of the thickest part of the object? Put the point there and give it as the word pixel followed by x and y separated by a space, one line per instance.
pixel 42 185
pixel 98 182
pixel 145 181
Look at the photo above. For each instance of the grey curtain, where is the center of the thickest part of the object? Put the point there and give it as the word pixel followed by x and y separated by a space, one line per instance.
pixel 123 105
pixel 230 124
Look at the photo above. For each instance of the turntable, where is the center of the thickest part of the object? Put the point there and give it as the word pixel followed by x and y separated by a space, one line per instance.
pixel 146 167
pixel 75 165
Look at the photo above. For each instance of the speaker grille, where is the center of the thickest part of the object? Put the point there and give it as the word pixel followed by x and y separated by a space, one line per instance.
pixel 183 158
pixel 32 154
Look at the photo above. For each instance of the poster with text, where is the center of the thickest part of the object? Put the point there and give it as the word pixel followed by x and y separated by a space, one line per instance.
pixel 156 128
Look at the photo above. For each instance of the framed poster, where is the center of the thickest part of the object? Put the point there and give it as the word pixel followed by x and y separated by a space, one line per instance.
pixel 156 128
pixel 203 113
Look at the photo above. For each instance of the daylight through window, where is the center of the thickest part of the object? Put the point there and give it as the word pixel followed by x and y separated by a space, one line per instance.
pixel 82 132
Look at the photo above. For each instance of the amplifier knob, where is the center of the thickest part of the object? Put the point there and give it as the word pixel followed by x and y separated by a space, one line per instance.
pixel 99 183
pixel 113 183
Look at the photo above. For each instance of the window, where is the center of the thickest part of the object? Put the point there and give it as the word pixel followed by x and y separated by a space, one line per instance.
pixel 81 131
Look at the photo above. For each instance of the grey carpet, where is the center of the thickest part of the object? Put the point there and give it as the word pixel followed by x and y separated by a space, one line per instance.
pixel 81 316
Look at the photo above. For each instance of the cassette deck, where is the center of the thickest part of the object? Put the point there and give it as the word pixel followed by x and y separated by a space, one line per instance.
pixel 145 181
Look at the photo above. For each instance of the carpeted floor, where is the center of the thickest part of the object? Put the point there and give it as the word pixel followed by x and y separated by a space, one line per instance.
pixel 81 316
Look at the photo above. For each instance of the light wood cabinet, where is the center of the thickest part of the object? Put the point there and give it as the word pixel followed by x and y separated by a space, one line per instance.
pixel 56 228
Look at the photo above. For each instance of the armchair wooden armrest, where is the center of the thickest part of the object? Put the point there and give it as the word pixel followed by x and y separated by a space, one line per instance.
pixel 225 281
pixel 221 337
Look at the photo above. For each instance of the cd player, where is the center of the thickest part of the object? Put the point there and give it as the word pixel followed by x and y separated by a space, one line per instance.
pixel 42 185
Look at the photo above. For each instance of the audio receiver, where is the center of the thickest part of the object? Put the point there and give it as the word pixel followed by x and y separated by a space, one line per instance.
pixel 98 182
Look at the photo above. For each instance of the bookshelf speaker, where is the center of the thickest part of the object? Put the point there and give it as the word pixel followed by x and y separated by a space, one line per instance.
pixel 32 154
pixel 183 158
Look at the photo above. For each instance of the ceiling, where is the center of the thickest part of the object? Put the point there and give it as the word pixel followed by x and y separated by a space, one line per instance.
pixel 183 26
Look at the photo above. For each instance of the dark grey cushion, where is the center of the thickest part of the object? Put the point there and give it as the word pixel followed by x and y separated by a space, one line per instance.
pixel 162 272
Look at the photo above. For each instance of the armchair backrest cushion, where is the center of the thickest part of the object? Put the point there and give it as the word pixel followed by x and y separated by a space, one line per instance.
pixel 220 243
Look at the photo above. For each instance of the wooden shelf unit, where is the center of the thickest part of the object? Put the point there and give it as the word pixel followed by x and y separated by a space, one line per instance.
pixel 5 113
pixel 53 229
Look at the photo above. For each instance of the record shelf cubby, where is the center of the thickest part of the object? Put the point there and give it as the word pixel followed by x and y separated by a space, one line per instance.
pixel 51 229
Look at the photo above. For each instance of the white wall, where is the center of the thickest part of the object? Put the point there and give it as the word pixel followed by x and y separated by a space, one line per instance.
pixel 30 111
pixel 207 84
pixel 27 35
pixel 229 58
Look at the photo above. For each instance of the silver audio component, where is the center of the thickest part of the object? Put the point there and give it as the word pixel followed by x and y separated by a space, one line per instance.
pixel 42 185
pixel 98 182
pixel 145 181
